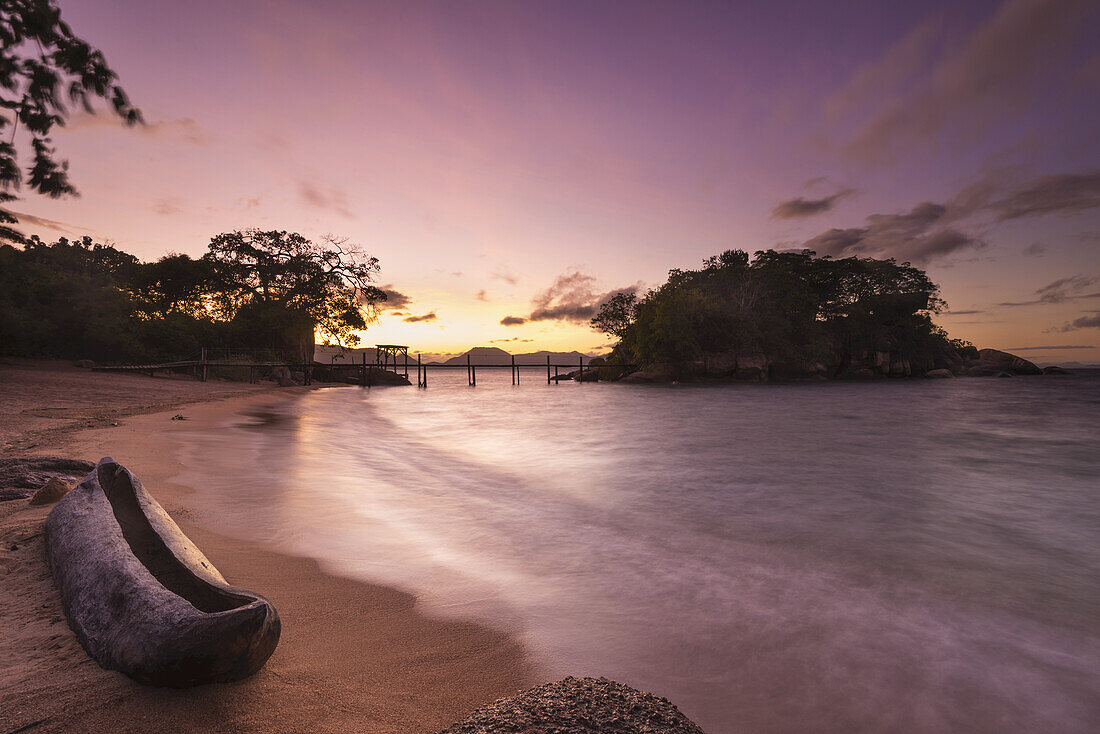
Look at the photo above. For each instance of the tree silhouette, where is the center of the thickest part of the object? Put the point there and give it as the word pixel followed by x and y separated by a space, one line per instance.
pixel 42 63
pixel 290 287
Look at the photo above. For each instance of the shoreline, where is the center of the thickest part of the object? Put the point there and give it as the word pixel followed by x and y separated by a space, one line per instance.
pixel 352 654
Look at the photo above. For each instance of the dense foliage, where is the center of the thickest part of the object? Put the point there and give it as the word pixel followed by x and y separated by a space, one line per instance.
pixel 789 310
pixel 252 290
pixel 43 65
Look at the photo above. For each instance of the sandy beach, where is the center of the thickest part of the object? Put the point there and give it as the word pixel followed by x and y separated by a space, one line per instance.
pixel 353 656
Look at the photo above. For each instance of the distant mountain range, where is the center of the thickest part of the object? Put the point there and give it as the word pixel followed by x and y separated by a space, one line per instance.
pixel 495 355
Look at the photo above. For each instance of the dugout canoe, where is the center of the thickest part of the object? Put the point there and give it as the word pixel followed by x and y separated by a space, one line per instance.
pixel 141 598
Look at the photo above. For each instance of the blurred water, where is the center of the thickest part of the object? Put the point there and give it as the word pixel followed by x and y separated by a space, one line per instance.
pixel 918 556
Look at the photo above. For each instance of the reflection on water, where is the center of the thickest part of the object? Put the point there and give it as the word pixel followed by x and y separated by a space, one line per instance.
pixel 919 556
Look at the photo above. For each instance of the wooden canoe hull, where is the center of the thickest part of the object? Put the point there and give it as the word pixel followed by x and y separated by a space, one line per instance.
pixel 141 598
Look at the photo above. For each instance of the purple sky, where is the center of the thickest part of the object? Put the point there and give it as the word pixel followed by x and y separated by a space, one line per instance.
pixel 521 159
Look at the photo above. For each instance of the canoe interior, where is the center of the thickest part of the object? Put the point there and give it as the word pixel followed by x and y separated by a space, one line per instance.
pixel 149 548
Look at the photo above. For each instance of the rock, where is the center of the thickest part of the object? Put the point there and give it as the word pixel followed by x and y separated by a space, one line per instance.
pixel 652 373
pixel 51 492
pixel 298 377
pixel 1003 374
pixel 981 369
pixel 1007 362
pixel 939 373
pixel 900 368
pixel 1056 370
pixel 282 376
pixel 84 364
pixel 377 377
pixel 856 372
pixel 578 706
pixel 721 364
pixel 21 476
pixel 752 367
pixel 588 376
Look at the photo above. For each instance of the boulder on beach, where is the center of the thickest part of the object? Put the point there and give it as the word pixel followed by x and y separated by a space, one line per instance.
pixel 21 476
pixel 51 492
pixel 84 364
pixel 999 361
pixel 939 374
pixel 578 706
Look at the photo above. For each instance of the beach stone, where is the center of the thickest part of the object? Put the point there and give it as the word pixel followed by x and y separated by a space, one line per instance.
pixel 578 706
pixel 84 364
pixel 20 476
pixel 51 492
pixel 939 374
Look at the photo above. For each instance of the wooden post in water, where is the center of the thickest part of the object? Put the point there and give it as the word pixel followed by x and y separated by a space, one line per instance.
pixel 547 369
pixel 580 374
pixel 473 374
pixel 204 364
pixel 513 369
pixel 363 371
pixel 469 371
pixel 406 364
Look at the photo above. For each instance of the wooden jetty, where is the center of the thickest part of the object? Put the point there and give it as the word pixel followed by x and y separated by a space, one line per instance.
pixel 389 358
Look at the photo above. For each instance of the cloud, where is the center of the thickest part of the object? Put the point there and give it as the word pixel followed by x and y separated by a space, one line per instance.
pixel 800 207
pixel 909 236
pixel 1066 193
pixel 960 313
pixel 513 339
pixel 1057 346
pixel 332 199
pixel 395 300
pixel 1035 249
pixel 1060 291
pixel 503 273
pixel 1085 322
pixel 62 227
pixel 513 321
pixel 1064 288
pixel 926 84
pixel 422 318
pixel 900 65
pixel 572 297
pixel 482 295
pixel 183 129
pixel 165 207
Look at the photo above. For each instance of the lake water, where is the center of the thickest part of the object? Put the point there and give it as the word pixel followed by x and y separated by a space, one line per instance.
pixel 914 556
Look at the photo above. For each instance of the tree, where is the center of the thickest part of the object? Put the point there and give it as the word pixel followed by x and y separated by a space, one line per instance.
pixel 792 308
pixel 616 314
pixel 41 63
pixel 288 288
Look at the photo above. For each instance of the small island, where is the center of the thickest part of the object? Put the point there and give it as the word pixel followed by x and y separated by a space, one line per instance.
pixel 786 316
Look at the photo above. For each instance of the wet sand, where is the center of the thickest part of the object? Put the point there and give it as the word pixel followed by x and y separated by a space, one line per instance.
pixel 353 656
